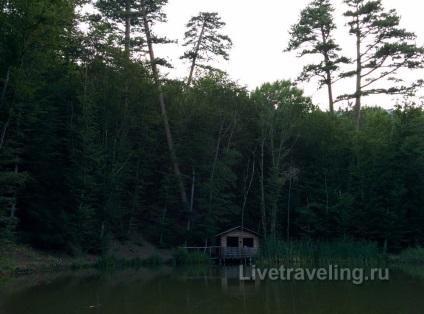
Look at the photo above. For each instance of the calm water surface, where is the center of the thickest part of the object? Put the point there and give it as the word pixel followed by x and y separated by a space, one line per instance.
pixel 203 291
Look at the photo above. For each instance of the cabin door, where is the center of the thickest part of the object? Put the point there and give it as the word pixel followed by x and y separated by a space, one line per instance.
pixel 248 242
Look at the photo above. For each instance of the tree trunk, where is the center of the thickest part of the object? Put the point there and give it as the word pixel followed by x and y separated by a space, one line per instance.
pixel 18 125
pixel 357 108
pixel 273 216
pixel 3 132
pixel 102 230
pixel 189 222
pixel 246 190
pixel 167 127
pixel 262 184
pixel 2 102
pixel 288 209
pixel 13 206
pixel 162 224
pixel 328 74
pixel 218 145
pixel 330 92
pixel 326 194
pixel 127 28
pixel 3 93
pixel 135 197
pixel 196 51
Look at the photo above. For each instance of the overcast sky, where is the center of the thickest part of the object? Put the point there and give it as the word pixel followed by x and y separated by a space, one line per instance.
pixel 259 31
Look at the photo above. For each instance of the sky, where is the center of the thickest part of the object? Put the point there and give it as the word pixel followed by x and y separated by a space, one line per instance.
pixel 259 31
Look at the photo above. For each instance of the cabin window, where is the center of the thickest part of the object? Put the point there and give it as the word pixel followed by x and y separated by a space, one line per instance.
pixel 248 242
pixel 232 242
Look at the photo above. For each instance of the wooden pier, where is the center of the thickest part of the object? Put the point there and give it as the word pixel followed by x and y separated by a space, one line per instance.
pixel 219 252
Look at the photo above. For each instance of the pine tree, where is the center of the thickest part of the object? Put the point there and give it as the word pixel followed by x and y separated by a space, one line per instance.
pixel 205 41
pixel 382 48
pixel 313 34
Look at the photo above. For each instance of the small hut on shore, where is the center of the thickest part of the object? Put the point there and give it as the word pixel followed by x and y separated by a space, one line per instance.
pixel 238 243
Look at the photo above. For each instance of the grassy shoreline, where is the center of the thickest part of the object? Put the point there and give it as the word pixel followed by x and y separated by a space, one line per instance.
pixel 20 260
pixel 10 268
pixel 16 259
pixel 273 252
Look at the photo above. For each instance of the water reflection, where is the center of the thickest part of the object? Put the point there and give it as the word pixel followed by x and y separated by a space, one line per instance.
pixel 232 285
pixel 203 290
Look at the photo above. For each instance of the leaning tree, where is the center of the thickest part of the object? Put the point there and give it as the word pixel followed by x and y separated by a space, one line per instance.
pixel 204 40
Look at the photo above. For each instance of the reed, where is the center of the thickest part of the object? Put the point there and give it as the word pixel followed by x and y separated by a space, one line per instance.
pixel 183 271
pixel 320 252
pixel 349 252
pixel 278 251
pixel 411 270
pixel 111 261
pixel 183 257
pixel 411 255
pixel 153 260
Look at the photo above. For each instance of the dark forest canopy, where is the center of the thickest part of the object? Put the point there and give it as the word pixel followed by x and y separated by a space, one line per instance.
pixel 84 157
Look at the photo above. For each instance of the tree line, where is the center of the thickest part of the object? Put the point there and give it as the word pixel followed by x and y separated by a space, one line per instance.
pixel 96 144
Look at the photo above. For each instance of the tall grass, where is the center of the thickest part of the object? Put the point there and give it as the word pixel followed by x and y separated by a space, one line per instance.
pixel 322 252
pixel 411 270
pixel 349 251
pixel 111 261
pixel 183 257
pixel 412 256
pixel 183 271
pixel 277 251
pixel 152 261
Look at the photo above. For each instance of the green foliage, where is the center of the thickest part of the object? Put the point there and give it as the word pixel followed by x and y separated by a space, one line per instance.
pixel 7 265
pixel 33 44
pixel 7 227
pixel 209 134
pixel 282 106
pixel 84 160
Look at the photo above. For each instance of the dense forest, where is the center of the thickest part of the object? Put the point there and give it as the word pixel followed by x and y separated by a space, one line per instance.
pixel 96 144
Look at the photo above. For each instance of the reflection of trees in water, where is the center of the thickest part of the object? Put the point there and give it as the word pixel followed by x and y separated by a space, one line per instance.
pixel 208 290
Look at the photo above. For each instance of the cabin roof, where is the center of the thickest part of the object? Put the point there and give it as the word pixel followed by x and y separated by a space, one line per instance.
pixel 239 227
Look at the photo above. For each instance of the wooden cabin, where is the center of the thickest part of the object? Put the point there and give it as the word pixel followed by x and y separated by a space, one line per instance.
pixel 238 243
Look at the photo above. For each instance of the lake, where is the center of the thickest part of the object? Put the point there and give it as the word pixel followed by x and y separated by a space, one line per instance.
pixel 205 290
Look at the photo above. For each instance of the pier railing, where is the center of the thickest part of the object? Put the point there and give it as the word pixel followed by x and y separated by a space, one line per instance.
pixel 238 252
pixel 219 252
